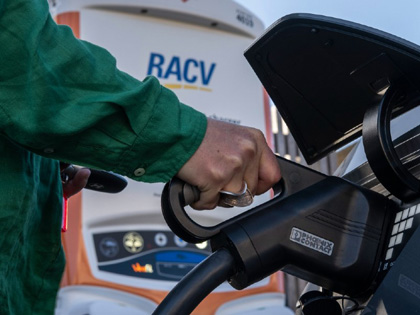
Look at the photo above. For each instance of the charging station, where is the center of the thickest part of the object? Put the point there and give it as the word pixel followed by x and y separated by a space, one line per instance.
pixel 353 236
pixel 121 256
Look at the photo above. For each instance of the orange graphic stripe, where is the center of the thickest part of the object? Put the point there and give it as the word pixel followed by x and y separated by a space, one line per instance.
pixel 185 86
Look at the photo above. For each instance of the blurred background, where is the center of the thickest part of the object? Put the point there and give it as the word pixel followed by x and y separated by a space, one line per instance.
pixel 121 256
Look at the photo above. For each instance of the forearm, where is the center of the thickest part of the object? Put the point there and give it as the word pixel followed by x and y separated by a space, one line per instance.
pixel 65 99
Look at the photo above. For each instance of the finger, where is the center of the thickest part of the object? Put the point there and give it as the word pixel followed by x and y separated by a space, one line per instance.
pixel 230 180
pixel 210 196
pixel 236 185
pixel 77 183
pixel 269 172
pixel 208 200
pixel 245 170
pixel 251 177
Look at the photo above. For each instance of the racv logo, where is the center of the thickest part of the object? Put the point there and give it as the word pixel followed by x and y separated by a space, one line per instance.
pixel 186 73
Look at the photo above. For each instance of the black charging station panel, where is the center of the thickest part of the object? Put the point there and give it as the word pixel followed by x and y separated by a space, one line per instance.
pixel 323 73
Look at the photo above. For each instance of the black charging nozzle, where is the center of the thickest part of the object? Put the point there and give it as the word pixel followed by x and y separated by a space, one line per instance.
pixel 320 228
pixel 334 238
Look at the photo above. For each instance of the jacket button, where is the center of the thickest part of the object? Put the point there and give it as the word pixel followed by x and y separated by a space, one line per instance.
pixel 139 172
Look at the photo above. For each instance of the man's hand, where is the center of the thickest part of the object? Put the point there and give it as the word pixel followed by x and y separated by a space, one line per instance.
pixel 76 184
pixel 228 156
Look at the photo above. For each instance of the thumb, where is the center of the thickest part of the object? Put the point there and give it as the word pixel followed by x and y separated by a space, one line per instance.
pixel 75 185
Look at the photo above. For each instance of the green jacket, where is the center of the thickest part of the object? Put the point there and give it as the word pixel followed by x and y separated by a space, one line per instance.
pixel 63 99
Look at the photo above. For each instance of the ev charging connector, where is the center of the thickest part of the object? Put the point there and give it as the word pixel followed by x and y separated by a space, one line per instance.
pixel 320 228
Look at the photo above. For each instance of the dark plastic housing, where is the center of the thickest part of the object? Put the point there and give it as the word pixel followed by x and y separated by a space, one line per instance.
pixel 324 73
pixel 332 233
pixel 347 229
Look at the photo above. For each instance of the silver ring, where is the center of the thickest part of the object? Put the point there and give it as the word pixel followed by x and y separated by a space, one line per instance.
pixel 225 192
pixel 241 199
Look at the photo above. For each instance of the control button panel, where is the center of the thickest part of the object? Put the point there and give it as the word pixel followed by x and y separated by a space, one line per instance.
pixel 154 255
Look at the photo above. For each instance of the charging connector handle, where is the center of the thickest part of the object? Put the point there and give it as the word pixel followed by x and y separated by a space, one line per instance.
pixel 177 194
pixel 332 233
pixel 322 229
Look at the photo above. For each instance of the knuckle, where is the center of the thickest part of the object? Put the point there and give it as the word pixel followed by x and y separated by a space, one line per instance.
pixel 249 147
pixel 235 163
pixel 257 134
pixel 217 176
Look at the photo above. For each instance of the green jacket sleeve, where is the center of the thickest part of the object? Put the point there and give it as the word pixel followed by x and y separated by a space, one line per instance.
pixel 64 98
